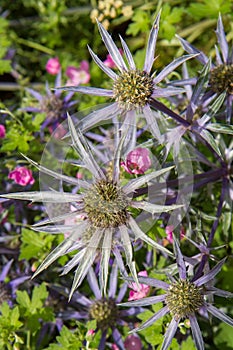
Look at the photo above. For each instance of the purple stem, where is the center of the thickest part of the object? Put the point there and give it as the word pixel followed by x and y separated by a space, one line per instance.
pixel 161 107
pixel 213 229
pixel 204 178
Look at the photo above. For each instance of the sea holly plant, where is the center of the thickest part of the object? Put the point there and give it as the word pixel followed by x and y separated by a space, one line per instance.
pixel 183 298
pixel 104 313
pixel 133 90
pixel 106 224
pixel 111 193
pixel 221 73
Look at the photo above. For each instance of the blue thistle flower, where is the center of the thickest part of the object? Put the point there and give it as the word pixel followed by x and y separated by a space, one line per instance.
pixel 133 89
pixel 221 73
pixel 183 299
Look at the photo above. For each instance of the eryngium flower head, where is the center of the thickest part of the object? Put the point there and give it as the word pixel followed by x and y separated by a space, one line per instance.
pixel 107 226
pixel 132 88
pixel 183 298
pixel 108 315
pixel 221 73
pixel 52 104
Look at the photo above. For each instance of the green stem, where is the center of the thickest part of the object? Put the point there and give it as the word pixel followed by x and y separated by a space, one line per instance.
pixel 35 46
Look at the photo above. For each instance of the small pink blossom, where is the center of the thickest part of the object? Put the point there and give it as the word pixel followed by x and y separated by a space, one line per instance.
pixel 79 75
pixel 109 61
pixel 2 131
pixel 115 347
pixel 144 289
pixel 90 332
pixel 137 161
pixel 53 66
pixel 169 232
pixel 79 175
pixel 133 342
pixel 84 65
pixel 22 176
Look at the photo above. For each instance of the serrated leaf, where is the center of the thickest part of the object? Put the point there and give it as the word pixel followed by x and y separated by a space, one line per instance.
pixel 39 295
pixel 140 23
pixel 23 299
pixel 188 344
pixel 34 244
pixel 224 337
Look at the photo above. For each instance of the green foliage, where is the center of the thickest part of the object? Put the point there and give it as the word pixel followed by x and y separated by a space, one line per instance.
pixel 5 42
pixel 35 245
pixel 209 9
pixel 188 344
pixel 22 323
pixel 153 334
pixel 169 17
pixel 66 340
pixel 70 340
pixel 140 23
pixel 20 132
pixel 33 309
pixel 224 339
pixel 9 325
pixel 52 16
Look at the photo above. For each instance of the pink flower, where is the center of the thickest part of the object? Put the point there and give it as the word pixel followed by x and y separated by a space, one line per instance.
pixel 109 61
pixel 2 131
pixel 137 161
pixel 22 176
pixel 90 332
pixel 84 65
pixel 169 232
pixel 144 289
pixel 114 347
pixel 53 66
pixel 133 342
pixel 79 75
pixel 79 175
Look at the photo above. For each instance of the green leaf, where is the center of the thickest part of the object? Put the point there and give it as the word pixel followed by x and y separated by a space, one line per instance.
pixel 188 344
pixel 224 338
pixel 5 66
pixel 23 299
pixel 67 340
pixel 152 334
pixel 39 295
pixel 207 9
pixel 9 325
pixel 34 244
pixel 33 310
pixel 141 23
pixel 38 120
pixel 169 17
